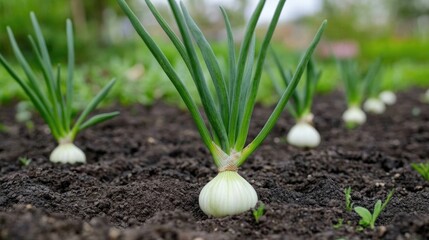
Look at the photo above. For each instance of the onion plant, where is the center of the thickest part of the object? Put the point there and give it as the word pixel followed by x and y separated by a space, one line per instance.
pixel 356 90
pixel 229 106
pixel 374 103
pixel 302 134
pixel 54 100
pixel 426 96
pixel 388 97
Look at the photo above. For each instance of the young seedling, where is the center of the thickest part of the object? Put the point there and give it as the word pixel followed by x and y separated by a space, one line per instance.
pixel 348 196
pixel 339 224
pixel 303 134
pixel 24 161
pixel 422 169
pixel 52 102
pixel 229 108
pixel 368 219
pixel 374 104
pixel 259 212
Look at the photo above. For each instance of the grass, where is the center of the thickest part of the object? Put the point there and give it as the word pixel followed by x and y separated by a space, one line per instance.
pixel 154 85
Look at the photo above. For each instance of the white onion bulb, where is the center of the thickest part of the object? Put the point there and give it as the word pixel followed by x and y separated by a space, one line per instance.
pixel 388 97
pixel 374 105
pixel 67 153
pixel 227 194
pixel 303 135
pixel 354 116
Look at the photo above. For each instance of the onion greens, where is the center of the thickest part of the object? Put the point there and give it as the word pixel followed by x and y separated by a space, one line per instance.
pixel 356 90
pixel 374 103
pixel 229 108
pixel 302 134
pixel 54 101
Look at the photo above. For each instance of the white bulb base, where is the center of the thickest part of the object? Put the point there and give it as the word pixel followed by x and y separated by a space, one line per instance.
pixel 388 97
pixel 426 96
pixel 67 153
pixel 303 134
pixel 374 105
pixel 227 194
pixel 354 116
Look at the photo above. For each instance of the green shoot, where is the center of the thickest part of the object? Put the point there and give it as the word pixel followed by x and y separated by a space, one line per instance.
pixel 24 161
pixel 54 100
pixel 339 224
pixel 368 219
pixel 372 80
pixel 3 128
pixel 259 212
pixel 422 169
pixel 348 196
pixel 357 87
pixel 230 108
pixel 302 99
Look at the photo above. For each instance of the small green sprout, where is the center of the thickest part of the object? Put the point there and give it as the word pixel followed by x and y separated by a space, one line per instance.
pixel 24 161
pixel 259 212
pixel 422 169
pixel 368 219
pixel 339 224
pixel 348 196
pixel 3 128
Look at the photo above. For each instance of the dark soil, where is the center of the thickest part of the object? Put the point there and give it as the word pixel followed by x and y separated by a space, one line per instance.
pixel 146 168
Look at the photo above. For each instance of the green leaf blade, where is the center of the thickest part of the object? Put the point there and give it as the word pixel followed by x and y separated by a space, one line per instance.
pixel 284 99
pixel 98 119
pixel 91 106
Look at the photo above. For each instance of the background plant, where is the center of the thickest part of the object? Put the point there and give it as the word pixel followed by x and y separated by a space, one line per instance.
pixel 422 169
pixel 53 102
pixel 302 134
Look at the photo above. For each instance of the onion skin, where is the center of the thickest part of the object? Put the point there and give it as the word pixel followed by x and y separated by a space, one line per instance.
pixel 388 97
pixel 354 116
pixel 67 153
pixel 227 194
pixel 374 105
pixel 303 134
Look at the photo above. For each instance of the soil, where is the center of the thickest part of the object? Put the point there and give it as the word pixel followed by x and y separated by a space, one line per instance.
pixel 146 168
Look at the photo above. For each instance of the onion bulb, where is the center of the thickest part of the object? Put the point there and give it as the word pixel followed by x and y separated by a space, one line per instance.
pixel 67 153
pixel 388 97
pixel 354 116
pixel 303 134
pixel 426 97
pixel 374 105
pixel 227 194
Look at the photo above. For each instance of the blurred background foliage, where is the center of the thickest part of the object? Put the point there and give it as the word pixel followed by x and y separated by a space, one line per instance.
pixel 107 46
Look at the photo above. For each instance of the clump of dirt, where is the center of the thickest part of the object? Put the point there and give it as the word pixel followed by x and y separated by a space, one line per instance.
pixel 145 170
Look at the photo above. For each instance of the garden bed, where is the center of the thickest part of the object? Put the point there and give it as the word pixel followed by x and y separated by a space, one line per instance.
pixel 146 168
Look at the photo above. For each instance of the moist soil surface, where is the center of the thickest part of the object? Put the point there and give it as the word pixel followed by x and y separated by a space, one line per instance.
pixel 146 168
